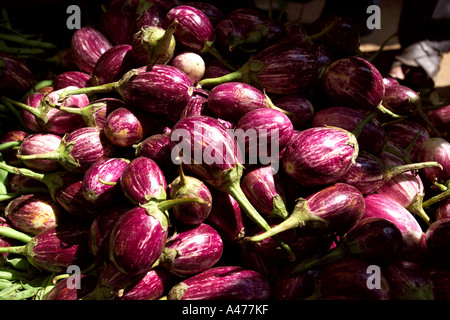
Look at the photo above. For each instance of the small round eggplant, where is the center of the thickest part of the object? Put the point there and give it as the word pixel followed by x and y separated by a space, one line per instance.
pixel 435 149
pixel 113 64
pixel 212 12
pixel 219 283
pixel 320 156
pixel 40 143
pixel 440 118
pixel 190 63
pixel 300 109
pixel 401 100
pixel 157 148
pixel 443 211
pixel 77 79
pixel 151 286
pixel 10 154
pixel 117 21
pixel 290 287
pixel 148 15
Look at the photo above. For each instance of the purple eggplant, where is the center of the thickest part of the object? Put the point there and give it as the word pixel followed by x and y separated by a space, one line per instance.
pixel 285 67
pixel 437 240
pixel 186 186
pixel 348 279
pixel 352 82
pixel 197 104
pixel 265 191
pixel 408 281
pixel 143 180
pixel 443 210
pixel 299 287
pixel 334 209
pixel 192 250
pixel 79 149
pixel 390 81
pixel 376 240
pixel 148 15
pixel 191 63
pixel 113 64
pixel 88 44
pixel 77 79
pixel 440 119
pixel 157 148
pixel 63 291
pixel 166 5
pixel 401 100
pixel 210 10
pixel 320 156
pixel 222 283
pixel 300 109
pixel 100 181
pixel 117 21
pixel 371 137
pixel 435 149
pixel 16 77
pixel 32 213
pixel 40 143
pixel 441 283
pixel 379 206
pixel 15 137
pixel 56 248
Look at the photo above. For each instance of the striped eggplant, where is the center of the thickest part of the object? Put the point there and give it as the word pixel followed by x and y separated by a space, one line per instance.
pixel 197 104
pixel 401 100
pixel 443 210
pixel 300 109
pixel 222 283
pixel 113 64
pixel 435 149
pixel 38 143
pixel 151 286
pixel 157 148
pixel 14 138
pixel 290 287
pixel 77 79
pixel 16 77
pixel 440 119
pixel 62 291
pixel 117 21
pixel 213 13
pixel 148 15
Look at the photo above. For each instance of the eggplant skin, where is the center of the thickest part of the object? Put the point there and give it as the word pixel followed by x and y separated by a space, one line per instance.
pixel 222 283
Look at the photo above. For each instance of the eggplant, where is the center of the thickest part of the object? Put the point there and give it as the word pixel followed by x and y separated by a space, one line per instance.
pixel 87 45
pixel 440 119
pixel 352 82
pixel 56 248
pixel 191 63
pixel 376 240
pixel 435 149
pixel 213 13
pixel 117 21
pixel 437 242
pixel 377 205
pixel 101 181
pixel 77 79
pixel 40 143
pixel 265 191
pixel 299 287
pixel 192 250
pixel 197 105
pixel 151 286
pixel 15 137
pixel 157 148
pixel 440 277
pixel 401 100
pixel 443 210
pixel 148 15
pixel 79 149
pixel 300 109
pixel 62 291
pixel 186 186
pixel 32 213
pixel 16 77
pixel 113 64
pixel 143 180
pixel 390 81
pixel 320 156
pixel 222 283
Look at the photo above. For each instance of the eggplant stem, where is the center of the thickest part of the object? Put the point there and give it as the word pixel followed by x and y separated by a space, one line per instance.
pixel 34 111
pixel 28 42
pixel 211 49
pixel 9 145
pixel 410 167
pixel 233 76
pixel 310 263
pixel 11 233
pixel 436 199
pixel 165 205
pixel 104 88
pixel 359 128
pixel 15 249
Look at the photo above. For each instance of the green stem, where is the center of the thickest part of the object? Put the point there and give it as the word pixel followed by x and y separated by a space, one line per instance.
pixel 388 112
pixel 211 49
pixel 311 263
pixel 34 111
pixel 436 199
pixel 28 42
pixel 16 113
pixel 323 32
pixel 9 232
pixel 9 274
pixel 22 172
pixel 237 75
pixel 359 128
pixel 52 155
pixel 104 88
pixel 165 205
pixel 9 145
pixel 22 51
pixel 389 173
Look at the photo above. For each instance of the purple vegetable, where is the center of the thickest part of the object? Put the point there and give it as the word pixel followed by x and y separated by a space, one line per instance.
pixel 88 44
pixel 118 20
pixel 300 110
pixel 100 181
pixel 352 82
pixel 79 149
pixel 142 180
pixel 157 148
pixel 190 63
pixel 441 283
pixel 10 154
pixel 166 5
pixel 390 81
pixel 443 211
pixel 320 156
pixel 440 118
pixel 32 213
pixel 437 240
pixel 401 100
pixel 376 240
pixel 186 186
pixel 192 250
pixel 379 206
pixel 15 76
pixel 113 64
pixel 211 11
pixel 148 15
pixel 222 283
pixel 288 287
pixel 40 143
pixel 435 149
pixel 64 291
pixel 77 79
pixel 197 105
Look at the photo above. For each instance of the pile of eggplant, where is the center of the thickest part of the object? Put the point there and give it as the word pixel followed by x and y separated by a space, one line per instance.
pixel 130 171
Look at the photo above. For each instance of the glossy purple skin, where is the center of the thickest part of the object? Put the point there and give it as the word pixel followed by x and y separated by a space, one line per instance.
pixel 213 13
pixel 144 40
pixel 372 136
pixel 435 149
pixel 203 134
pixel 58 247
pixel 404 132
pixel 117 22
pixel 124 127
pixel 150 16
pixel 166 5
pixel 157 148
pixel 215 68
pixel 347 279
pixel 379 206
pixel 106 170
pixel 226 217
pixel 197 249
pixel 40 143
pixel 341 205
pixel 390 81
pixel 298 287
pixel 15 76
pixel 72 78
pixel 97 118
pixel 32 213
pixel 197 105
pixel 113 64
pixel 440 118
pixel 10 155
pixel 443 210
pixel 290 68
pixel 90 146
pixel 320 156
pixel 352 82
pixel 401 100
pixel 408 281
pixel 232 100
pixel 190 213
pixel 151 286
pixel 222 283
pixel 194 28
pixel 270 125
pixel 137 240
pixel 88 44
pixel 260 186
pixel 301 108
pixel 142 179
pixel 62 291
pixel 437 240
pixel 144 90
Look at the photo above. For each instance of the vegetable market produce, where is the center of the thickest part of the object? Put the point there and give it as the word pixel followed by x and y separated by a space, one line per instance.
pixel 176 150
